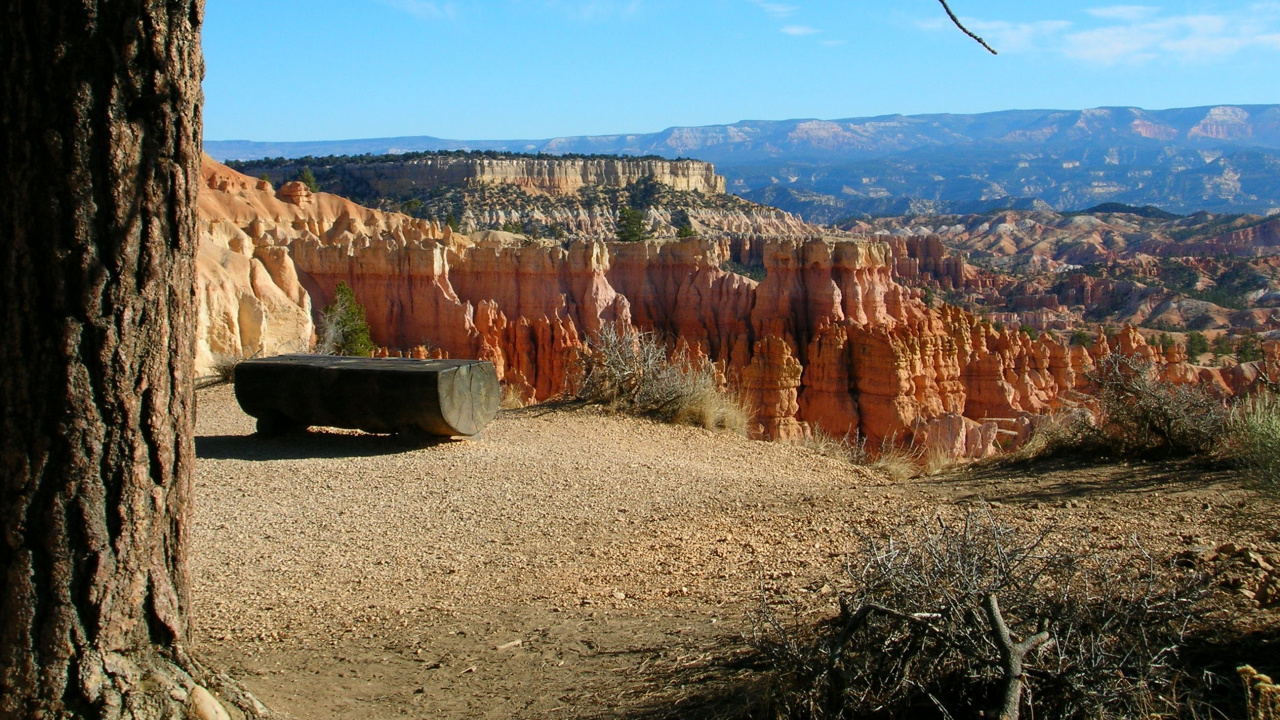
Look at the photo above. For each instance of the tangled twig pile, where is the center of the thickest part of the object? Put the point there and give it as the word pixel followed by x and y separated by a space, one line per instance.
pixel 981 621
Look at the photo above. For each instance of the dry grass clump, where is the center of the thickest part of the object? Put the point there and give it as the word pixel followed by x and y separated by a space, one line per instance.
pixel 935 460
pixel 221 372
pixel 938 615
pixel 850 448
pixel 1262 696
pixel 897 463
pixel 512 398
pixel 631 372
pixel 710 407
pixel 892 461
pixel 1254 445
pixel 1065 432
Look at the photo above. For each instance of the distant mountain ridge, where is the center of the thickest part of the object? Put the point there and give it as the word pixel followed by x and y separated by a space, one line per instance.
pixel 1221 158
pixel 851 138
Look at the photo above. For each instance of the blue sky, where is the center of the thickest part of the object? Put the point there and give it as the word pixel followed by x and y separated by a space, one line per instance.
pixel 281 70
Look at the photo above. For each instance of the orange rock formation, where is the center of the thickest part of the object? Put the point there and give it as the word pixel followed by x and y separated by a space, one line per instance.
pixel 828 340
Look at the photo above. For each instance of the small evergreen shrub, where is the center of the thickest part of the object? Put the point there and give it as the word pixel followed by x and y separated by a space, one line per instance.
pixel 684 225
pixel 308 178
pixel 753 272
pixel 344 330
pixel 1197 344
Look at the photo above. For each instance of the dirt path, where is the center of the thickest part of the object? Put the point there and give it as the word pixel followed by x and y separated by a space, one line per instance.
pixel 565 563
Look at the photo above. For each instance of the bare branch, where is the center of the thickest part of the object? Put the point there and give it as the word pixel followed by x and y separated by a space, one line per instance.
pixel 966 30
pixel 1011 656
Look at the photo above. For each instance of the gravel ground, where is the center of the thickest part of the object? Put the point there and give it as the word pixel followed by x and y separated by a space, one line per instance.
pixel 564 563
pixel 550 528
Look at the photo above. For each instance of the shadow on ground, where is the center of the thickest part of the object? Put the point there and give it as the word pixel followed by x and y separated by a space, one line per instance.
pixel 737 682
pixel 303 446
pixel 1063 479
pixel 1060 480
pixel 730 683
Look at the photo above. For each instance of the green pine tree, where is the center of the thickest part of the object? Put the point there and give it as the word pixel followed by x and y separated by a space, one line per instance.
pixel 632 226
pixel 1082 338
pixel 308 178
pixel 344 328
pixel 684 225
pixel 1197 344
pixel 1248 349
pixel 1222 345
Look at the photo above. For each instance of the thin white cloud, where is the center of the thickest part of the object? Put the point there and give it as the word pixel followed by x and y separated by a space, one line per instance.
pixel 1188 38
pixel 778 10
pixel 832 43
pixel 932 23
pixel 424 9
pixel 1129 13
pixel 1136 34
pixel 597 9
pixel 1010 37
pixel 800 30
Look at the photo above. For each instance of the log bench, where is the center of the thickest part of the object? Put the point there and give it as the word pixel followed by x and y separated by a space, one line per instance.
pixel 417 400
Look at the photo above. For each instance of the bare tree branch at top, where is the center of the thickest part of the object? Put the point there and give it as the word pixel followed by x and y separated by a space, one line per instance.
pixel 966 30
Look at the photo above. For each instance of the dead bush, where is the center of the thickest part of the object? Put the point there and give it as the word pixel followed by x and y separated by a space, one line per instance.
pixel 632 372
pixel 982 621
pixel 1140 413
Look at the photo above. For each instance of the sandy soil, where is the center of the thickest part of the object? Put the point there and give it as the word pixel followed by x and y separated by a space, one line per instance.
pixel 571 564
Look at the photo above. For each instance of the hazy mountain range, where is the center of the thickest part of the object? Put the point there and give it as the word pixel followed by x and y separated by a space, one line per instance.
pixel 1222 159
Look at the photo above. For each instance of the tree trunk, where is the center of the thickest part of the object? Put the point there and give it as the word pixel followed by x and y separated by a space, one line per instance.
pixel 100 163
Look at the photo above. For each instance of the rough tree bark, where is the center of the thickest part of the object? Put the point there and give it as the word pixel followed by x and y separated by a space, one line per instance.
pixel 100 105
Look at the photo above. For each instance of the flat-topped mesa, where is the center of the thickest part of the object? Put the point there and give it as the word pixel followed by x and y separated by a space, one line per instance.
pixel 550 175
pixel 402 176
pixel 563 197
